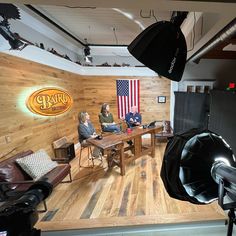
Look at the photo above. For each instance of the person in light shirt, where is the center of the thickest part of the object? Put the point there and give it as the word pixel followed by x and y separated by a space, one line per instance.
pixel 86 130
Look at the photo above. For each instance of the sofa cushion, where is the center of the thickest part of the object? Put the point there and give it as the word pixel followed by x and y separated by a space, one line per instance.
pixel 37 164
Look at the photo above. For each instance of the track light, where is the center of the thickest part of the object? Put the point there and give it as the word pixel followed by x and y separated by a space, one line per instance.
pixel 9 11
pixel 87 50
pixel 10 37
pixel 162 47
pixel 200 167
pixel 88 58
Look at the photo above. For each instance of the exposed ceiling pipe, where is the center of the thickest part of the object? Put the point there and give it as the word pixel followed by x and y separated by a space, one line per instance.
pixel 224 34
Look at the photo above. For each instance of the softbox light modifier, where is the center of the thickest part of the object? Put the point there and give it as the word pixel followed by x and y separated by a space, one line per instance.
pixel 162 48
pixel 193 163
pixel 200 167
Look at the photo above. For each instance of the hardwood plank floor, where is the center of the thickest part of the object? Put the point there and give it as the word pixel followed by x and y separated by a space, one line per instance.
pixel 101 198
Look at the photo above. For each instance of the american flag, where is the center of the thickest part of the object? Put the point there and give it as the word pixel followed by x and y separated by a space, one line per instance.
pixel 127 96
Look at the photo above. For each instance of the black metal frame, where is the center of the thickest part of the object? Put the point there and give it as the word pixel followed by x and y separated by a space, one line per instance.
pixel 12 193
pixel 227 206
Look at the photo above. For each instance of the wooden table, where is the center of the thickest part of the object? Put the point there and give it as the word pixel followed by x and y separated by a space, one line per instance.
pixel 116 141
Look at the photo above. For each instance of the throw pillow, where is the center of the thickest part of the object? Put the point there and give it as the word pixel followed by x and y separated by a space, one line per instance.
pixel 37 164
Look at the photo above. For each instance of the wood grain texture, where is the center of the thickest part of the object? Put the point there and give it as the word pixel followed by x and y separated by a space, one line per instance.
pixel 101 198
pixel 99 90
pixel 28 131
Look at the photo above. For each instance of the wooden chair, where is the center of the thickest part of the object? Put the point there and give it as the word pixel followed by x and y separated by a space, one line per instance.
pixel 87 146
pixel 90 156
pixel 166 132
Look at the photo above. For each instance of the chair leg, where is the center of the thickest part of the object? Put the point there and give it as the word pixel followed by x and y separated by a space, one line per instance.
pixel 45 207
pixel 81 149
pixel 70 178
pixel 101 159
pixel 90 149
pixel 88 155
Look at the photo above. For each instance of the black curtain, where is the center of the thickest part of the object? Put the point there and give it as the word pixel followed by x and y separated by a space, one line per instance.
pixel 223 116
pixel 191 111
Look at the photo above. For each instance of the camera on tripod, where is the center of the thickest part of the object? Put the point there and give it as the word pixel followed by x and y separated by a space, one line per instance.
pixel 18 217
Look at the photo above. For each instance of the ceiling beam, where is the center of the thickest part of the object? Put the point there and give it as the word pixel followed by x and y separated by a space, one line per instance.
pixel 220 24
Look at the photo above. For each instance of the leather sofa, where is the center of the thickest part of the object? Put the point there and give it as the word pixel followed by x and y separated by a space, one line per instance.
pixel 12 176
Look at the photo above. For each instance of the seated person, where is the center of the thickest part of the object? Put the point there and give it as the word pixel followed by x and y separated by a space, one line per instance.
pixel 106 119
pixel 133 118
pixel 86 130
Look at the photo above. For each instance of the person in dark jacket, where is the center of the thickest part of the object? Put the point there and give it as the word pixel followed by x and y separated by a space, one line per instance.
pixel 133 118
pixel 86 130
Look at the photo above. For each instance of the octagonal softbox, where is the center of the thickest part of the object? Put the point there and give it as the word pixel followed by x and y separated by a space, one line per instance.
pixel 188 163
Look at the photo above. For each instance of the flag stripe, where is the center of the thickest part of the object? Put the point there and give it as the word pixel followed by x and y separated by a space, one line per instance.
pixel 128 95
pixel 118 104
pixel 138 96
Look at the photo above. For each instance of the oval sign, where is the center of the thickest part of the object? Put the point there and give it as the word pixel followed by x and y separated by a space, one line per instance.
pixel 49 102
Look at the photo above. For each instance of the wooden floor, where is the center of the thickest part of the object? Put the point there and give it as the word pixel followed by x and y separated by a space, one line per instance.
pixel 101 198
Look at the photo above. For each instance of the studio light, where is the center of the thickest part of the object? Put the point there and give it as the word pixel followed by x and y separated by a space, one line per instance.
pixel 11 38
pixel 9 11
pixel 88 58
pixel 87 50
pixel 199 167
pixel 162 47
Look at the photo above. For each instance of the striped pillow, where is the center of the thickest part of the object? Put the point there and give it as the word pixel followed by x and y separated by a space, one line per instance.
pixel 36 165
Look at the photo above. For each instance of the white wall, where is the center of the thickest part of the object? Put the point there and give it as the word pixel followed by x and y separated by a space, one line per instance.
pixel 222 71
pixel 36 54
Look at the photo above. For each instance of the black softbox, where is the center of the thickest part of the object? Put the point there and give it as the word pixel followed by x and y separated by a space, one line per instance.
pixel 162 48
pixel 171 164
pixel 189 169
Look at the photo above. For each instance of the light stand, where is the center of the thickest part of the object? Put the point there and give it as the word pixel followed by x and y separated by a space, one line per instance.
pixel 227 206
pixel 225 176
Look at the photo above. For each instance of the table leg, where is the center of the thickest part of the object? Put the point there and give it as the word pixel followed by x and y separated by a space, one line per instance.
pixel 109 159
pixel 153 144
pixel 122 161
pixel 137 146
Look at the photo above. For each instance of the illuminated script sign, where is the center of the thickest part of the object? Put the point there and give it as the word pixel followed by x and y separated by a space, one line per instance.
pixel 49 102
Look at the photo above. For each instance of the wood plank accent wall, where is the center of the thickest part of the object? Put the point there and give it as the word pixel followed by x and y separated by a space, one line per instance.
pixel 28 131
pixel 89 92
pixel 98 90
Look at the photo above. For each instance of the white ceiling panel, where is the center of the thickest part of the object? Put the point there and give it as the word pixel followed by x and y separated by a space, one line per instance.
pixel 103 26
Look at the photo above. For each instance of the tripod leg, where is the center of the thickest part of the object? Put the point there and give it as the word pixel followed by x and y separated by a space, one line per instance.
pixel 232 220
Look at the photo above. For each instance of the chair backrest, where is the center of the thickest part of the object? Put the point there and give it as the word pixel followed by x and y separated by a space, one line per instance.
pixel 167 127
pixel 59 142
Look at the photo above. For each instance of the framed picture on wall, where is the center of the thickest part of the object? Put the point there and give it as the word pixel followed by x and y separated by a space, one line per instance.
pixel 161 99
